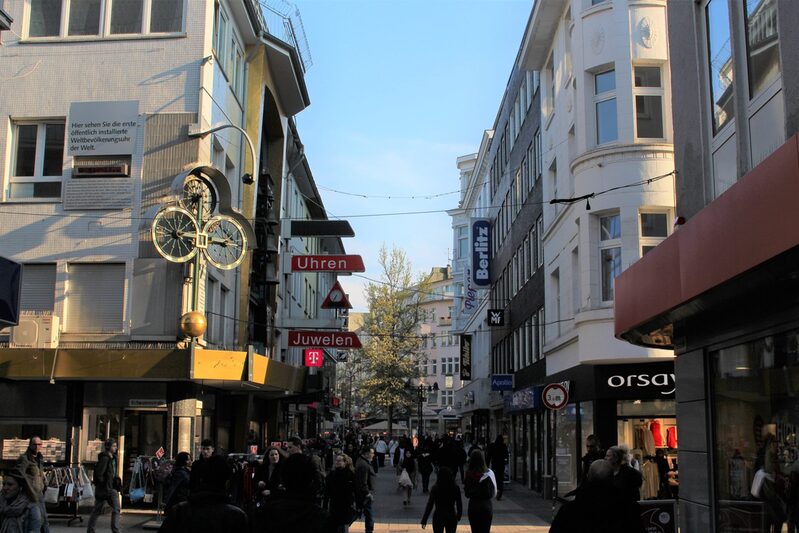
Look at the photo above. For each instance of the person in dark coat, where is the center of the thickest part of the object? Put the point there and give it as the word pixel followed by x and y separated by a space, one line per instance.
pixel 425 462
pixel 296 510
pixel 594 452
pixel 498 457
pixel 365 486
pixel 208 509
pixel 480 486
pixel 598 506
pixel 19 510
pixel 106 486
pixel 31 464
pixel 198 467
pixel 179 481
pixel 340 493
pixel 268 476
pixel 446 498
pixel 625 478
pixel 409 465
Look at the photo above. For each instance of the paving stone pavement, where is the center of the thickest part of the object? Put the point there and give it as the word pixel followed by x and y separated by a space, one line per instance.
pixel 519 511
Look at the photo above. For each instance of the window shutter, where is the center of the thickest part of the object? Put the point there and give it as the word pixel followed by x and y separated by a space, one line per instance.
pixel 38 288
pixel 95 298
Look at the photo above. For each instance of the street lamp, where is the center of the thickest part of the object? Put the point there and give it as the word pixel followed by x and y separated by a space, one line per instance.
pixel 421 395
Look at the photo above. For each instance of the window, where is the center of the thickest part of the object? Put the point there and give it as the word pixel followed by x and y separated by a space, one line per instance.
pixel 95 298
pixel 539 333
pixel 91 17
pixel 610 253
pixel 648 103
pixel 432 397
pixel 433 366
pixel 720 62
pixel 550 96
pixel 447 397
pixel 762 44
pixel 463 242
pixel 38 288
pixel 605 102
pixel 539 224
pixel 212 310
pixel 538 154
pixel 38 160
pixel 654 228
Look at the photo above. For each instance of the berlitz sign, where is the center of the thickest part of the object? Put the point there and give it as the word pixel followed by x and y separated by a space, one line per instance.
pixel 327 263
pixel 324 339
pixel 481 252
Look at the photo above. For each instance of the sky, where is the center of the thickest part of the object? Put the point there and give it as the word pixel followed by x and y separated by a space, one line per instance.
pixel 399 90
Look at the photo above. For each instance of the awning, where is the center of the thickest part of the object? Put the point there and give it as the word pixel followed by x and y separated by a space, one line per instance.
pixel 731 245
pixel 232 370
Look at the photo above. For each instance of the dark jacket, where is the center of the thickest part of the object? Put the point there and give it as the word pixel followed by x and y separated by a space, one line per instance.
pixel 475 489
pixel 588 459
pixel 274 483
pixel 364 479
pixel 31 467
pixel 178 490
pixel 448 504
pixel 629 481
pixel 105 472
pixel 598 507
pixel 340 492
pixel 295 514
pixel 205 512
pixel 498 457
pixel 197 473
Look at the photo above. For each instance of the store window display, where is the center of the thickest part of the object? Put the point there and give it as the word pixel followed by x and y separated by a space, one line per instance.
pixel 756 415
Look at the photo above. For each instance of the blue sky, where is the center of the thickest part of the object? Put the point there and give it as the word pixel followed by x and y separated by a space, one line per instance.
pixel 399 89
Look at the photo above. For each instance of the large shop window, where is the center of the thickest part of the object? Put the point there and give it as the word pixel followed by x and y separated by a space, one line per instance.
pixel 95 298
pixel 756 417
pixel 15 435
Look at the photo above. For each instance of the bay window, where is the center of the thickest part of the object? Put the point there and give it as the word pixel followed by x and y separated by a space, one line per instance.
pixel 648 102
pixel 609 253
pixel 605 104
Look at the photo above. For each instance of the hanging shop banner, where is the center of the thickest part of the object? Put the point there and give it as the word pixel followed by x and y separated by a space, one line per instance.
pixel 496 318
pixel 481 252
pixel 466 357
pixel 102 128
pixel 502 382
pixel 314 357
pixel 325 339
pixel 470 293
pixel 523 400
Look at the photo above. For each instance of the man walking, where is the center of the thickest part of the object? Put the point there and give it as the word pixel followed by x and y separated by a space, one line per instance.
pixel 106 486
pixel 365 486
pixel 381 449
pixel 498 456
pixel 30 463
pixel 198 466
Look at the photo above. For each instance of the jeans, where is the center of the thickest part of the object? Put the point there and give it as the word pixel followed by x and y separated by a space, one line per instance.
pixel 381 459
pixel 111 499
pixel 368 517
pixel 45 525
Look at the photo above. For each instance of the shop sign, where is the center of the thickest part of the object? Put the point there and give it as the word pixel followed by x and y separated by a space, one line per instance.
pixel 470 293
pixel 314 357
pixel 327 339
pixel 555 396
pixel 502 382
pixel 654 380
pixel 466 357
pixel 658 516
pixel 147 403
pixel 102 128
pixel 327 263
pixel 522 400
pixel 481 252
pixel 159 452
pixel 496 318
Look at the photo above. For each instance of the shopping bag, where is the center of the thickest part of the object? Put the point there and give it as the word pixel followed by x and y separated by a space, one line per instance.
pixel 137 494
pixel 51 495
pixel 757 483
pixel 405 480
pixel 87 492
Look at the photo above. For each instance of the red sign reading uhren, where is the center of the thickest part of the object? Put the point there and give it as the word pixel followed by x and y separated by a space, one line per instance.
pixel 327 263
pixel 324 339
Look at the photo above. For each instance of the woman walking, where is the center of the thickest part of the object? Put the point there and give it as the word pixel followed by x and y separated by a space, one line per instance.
pixel 268 476
pixel 340 493
pixel 179 481
pixel 19 513
pixel 409 466
pixel 480 486
pixel 446 497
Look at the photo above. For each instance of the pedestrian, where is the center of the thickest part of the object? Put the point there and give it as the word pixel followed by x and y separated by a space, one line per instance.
pixel 393 444
pixel 480 486
pixel 296 510
pixel 598 506
pixel 179 481
pixel 268 476
pixel 381 449
pixel 198 467
pixel 19 510
pixel 498 457
pixel 341 493
pixel 106 486
pixel 399 454
pixel 409 466
pixel 625 478
pixel 594 452
pixel 460 455
pixel 365 486
pixel 425 463
pixel 30 465
pixel 445 496
pixel 208 509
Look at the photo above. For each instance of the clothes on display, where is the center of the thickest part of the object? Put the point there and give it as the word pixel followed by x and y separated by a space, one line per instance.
pixel 643 439
pixel 651 474
pixel 657 433
pixel 671 437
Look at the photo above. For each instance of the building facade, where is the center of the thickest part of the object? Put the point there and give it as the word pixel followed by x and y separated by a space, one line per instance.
pixel 606 168
pixel 101 173
pixel 720 290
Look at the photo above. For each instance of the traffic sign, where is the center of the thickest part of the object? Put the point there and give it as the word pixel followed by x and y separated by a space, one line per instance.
pixel 327 263
pixel 314 357
pixel 324 339
pixel 555 396
pixel 336 299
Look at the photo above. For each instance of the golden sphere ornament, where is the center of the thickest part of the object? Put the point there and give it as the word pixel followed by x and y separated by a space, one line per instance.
pixel 193 324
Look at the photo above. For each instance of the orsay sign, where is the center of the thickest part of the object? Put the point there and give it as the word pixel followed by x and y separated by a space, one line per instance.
pixel 664 381
pixel 651 380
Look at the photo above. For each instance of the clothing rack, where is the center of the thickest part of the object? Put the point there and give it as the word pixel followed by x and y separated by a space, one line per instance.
pixel 71 484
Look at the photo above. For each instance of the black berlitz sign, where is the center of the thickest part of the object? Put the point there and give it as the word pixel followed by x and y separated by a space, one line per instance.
pixel 466 357
pixel 481 252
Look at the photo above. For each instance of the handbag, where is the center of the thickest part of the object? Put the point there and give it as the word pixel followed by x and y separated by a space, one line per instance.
pixel 137 494
pixel 87 492
pixel 51 495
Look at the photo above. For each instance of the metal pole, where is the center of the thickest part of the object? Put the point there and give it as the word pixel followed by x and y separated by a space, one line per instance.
pixel 421 392
pixel 195 290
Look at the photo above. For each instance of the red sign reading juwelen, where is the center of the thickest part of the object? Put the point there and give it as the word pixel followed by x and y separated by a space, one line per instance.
pixel 325 339
pixel 327 263
pixel 314 357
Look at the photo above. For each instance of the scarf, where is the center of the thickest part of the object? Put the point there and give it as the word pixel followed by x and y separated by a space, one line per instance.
pixel 13 512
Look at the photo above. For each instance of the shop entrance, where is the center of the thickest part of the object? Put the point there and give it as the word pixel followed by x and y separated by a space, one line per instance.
pixel 144 433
